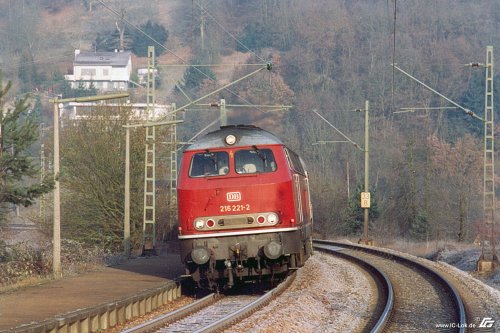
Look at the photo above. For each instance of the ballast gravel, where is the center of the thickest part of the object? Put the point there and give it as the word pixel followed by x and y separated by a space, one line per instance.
pixel 333 295
pixel 481 300
pixel 328 295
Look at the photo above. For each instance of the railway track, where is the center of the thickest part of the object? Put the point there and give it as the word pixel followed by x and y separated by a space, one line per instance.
pixel 211 313
pixel 385 300
pixel 422 297
pixel 408 297
pixel 215 312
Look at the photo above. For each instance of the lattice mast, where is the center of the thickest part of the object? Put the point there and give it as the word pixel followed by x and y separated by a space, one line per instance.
pixel 489 253
pixel 149 217
pixel 173 173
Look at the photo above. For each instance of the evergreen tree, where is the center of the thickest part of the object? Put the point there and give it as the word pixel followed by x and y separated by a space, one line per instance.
pixel 28 73
pixel 254 37
pixel 82 91
pixel 420 228
pixel 18 131
pixel 109 41
pixel 355 214
pixel 140 42
pixel 133 39
pixel 194 76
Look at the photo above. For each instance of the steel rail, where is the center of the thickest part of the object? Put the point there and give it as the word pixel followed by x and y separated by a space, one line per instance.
pixel 250 308
pixel 383 282
pixel 455 297
pixel 158 322
pixel 174 315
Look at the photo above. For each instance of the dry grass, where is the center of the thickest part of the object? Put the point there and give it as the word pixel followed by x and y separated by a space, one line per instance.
pixel 418 249
pixel 425 249
pixel 31 281
pixel 71 270
pixel 22 265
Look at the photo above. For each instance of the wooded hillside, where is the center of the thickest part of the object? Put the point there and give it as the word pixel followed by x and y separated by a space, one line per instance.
pixel 330 56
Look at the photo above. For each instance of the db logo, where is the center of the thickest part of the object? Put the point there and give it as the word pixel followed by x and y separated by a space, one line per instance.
pixel 233 196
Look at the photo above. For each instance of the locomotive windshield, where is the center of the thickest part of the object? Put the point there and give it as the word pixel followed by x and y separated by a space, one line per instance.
pixel 209 164
pixel 254 160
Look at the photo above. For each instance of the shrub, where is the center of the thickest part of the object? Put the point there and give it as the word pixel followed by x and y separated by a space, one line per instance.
pixel 22 261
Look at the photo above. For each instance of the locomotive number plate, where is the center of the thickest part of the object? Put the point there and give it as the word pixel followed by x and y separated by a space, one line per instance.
pixel 234 208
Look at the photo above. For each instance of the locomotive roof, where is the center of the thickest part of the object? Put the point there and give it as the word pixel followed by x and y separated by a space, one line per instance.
pixel 246 135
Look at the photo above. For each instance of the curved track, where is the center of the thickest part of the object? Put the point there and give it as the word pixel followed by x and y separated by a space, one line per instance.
pixel 385 301
pixel 409 297
pixel 422 297
pixel 212 313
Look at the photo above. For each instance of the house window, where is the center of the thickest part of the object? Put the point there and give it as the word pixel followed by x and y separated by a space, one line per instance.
pixel 88 71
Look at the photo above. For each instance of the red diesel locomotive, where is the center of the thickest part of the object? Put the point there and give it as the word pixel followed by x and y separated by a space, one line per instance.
pixel 244 207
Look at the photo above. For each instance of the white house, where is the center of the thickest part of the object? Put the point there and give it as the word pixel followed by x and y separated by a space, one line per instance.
pixel 105 71
pixel 83 110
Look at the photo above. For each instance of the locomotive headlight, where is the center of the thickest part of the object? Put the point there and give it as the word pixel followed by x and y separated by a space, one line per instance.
pixel 273 250
pixel 200 255
pixel 230 139
pixel 273 219
pixel 199 224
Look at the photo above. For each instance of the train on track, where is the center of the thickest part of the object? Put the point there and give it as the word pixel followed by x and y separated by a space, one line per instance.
pixel 244 208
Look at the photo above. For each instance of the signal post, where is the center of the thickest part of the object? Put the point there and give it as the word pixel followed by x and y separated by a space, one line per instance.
pixel 365 198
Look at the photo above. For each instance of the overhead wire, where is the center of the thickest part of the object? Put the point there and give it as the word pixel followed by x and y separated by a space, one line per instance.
pixel 230 34
pixel 202 130
pixel 204 10
pixel 142 31
pixel 167 49
pixel 338 131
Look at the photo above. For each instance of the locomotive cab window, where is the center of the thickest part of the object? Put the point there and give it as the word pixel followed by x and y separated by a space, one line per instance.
pixel 209 164
pixel 254 160
pixel 295 161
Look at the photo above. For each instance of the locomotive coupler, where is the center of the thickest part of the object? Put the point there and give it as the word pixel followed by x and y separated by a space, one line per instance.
pixel 229 268
pixel 239 264
pixel 236 248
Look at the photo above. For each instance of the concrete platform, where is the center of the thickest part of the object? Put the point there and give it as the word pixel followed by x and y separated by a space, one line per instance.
pixel 48 300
